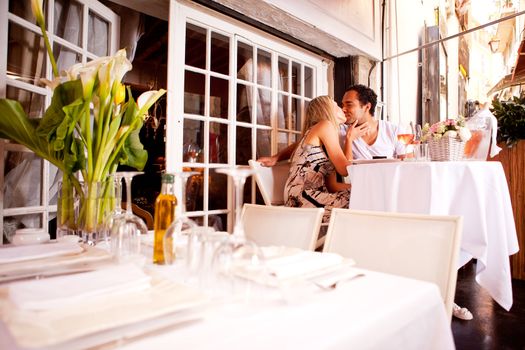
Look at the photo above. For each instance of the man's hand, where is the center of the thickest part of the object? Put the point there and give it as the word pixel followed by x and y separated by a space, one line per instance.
pixel 268 161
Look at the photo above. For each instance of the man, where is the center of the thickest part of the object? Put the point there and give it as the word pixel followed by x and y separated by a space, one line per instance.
pixel 378 137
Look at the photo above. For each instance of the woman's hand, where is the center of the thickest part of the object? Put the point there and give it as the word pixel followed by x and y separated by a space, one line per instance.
pixel 356 131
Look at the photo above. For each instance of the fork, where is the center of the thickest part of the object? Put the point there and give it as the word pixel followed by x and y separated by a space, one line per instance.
pixel 333 285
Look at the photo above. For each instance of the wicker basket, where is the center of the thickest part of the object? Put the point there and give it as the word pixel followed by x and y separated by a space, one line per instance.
pixel 446 148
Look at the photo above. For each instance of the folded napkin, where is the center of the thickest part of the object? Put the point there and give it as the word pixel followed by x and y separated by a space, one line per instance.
pixel 302 264
pixel 37 251
pixel 62 291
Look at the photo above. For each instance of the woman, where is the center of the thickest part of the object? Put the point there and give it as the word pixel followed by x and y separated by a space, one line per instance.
pixel 312 181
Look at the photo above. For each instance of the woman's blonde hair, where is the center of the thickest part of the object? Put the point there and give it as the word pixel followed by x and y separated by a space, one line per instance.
pixel 320 108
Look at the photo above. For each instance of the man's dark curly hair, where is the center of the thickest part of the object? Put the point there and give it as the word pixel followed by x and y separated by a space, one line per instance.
pixel 365 95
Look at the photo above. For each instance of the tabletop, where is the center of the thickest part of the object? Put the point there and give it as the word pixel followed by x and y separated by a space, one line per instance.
pixel 476 190
pixel 374 311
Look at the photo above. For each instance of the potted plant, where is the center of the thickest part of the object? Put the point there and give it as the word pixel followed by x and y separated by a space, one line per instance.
pixel 511 129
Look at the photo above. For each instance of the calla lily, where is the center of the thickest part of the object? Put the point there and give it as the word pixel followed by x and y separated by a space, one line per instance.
pixel 36 7
pixel 88 77
pixel 120 94
pixel 147 99
pixel 52 84
pixel 121 67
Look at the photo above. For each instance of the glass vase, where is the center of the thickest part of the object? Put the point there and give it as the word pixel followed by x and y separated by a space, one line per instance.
pixel 96 203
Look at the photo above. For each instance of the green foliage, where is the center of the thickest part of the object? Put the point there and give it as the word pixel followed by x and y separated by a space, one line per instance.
pixel 511 120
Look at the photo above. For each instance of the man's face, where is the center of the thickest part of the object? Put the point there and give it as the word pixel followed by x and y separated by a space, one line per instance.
pixel 353 109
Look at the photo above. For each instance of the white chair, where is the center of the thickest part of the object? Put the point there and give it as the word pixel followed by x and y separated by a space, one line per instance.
pixel 271 181
pixel 424 247
pixel 282 226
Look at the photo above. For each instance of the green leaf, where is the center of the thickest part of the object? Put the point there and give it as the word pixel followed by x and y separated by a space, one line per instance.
pixel 16 126
pixel 64 95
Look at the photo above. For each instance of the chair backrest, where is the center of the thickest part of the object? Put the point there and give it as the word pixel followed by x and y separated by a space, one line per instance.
pixel 142 213
pixel 282 226
pixel 424 247
pixel 271 181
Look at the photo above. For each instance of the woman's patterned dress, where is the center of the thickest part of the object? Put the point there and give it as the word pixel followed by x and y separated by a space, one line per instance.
pixel 306 186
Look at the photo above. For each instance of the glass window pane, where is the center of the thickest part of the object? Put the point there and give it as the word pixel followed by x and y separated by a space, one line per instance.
pixel 296 78
pixel 264 68
pixel 284 79
pixel 218 222
pixel 220 53
pixel 264 143
pixel 264 107
pixel 12 223
pixel 26 55
pixel 244 103
pixel 65 57
pixel 32 103
pixel 22 182
pixel 193 140
pixel 244 61
pixel 218 143
pixel 282 111
pixel 23 9
pixel 195 190
pixel 243 145
pixel 308 82
pixel 98 35
pixel 195 46
pixel 282 140
pixel 194 84
pixel 219 98
pixel 68 21
pixel 296 117
pixel 218 193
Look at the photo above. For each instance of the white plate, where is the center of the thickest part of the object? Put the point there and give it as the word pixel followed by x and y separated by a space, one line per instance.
pixel 372 161
pixel 66 325
pixel 90 258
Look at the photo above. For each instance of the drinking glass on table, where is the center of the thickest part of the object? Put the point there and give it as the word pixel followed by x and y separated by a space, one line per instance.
pixel 406 136
pixel 127 228
pixel 237 256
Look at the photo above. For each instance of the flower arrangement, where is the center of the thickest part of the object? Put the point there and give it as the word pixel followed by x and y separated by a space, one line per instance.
pixel 91 126
pixel 452 128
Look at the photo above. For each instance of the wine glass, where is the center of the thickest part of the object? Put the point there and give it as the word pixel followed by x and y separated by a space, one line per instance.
pixel 127 227
pixel 405 135
pixel 238 255
pixel 181 228
pixel 117 208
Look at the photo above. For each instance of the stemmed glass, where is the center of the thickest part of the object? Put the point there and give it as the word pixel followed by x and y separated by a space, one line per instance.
pixel 127 228
pixel 237 253
pixel 117 209
pixel 405 135
pixel 182 226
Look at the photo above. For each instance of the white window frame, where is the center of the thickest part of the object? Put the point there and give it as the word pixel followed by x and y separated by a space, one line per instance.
pixel 181 13
pixel 44 209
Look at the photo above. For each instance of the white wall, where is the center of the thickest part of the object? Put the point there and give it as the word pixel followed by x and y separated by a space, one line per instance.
pixel 339 27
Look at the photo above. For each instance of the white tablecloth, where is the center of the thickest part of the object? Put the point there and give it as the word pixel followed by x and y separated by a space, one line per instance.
pixel 476 190
pixel 377 311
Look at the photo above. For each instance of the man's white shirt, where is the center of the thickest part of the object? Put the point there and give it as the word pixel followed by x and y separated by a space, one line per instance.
pixel 385 145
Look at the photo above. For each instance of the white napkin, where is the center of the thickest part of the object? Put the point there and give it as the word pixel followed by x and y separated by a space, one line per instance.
pixel 302 264
pixel 62 291
pixel 37 251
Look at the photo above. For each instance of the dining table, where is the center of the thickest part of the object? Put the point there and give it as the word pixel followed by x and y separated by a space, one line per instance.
pixel 160 307
pixel 475 190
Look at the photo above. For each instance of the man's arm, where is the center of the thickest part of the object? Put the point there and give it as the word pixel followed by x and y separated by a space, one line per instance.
pixel 283 154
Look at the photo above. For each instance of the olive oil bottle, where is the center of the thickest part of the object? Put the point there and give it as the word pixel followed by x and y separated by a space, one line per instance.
pixel 164 215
